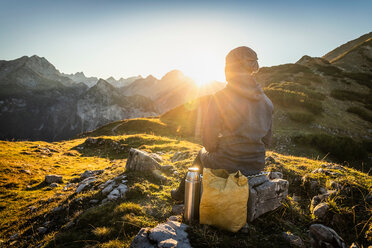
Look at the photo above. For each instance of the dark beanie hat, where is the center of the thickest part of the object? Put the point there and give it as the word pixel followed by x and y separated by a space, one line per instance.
pixel 240 55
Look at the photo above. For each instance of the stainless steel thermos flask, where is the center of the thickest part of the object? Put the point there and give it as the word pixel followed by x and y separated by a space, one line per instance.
pixel 192 195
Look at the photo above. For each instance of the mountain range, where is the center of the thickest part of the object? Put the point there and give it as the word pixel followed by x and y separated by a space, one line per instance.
pixel 37 102
pixel 315 99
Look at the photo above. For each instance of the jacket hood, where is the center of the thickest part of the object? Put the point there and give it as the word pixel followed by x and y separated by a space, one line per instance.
pixel 246 87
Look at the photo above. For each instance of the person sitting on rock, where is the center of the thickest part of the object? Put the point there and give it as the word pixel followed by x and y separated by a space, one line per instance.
pixel 237 126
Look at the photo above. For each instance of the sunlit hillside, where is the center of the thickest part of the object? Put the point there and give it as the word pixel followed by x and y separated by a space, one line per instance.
pixel 34 213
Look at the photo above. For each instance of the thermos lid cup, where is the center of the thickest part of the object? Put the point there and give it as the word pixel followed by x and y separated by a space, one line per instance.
pixel 193 174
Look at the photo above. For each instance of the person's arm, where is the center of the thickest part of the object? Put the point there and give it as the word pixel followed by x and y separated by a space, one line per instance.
pixel 268 137
pixel 211 127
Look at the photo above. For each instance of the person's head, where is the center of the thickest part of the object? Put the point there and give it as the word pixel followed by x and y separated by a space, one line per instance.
pixel 240 62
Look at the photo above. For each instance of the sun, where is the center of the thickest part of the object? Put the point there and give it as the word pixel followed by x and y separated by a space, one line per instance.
pixel 204 74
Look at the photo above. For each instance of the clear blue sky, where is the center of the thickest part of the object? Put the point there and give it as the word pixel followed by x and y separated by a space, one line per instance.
pixel 126 38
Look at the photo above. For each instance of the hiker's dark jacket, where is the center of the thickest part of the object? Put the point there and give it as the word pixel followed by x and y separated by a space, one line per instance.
pixel 237 127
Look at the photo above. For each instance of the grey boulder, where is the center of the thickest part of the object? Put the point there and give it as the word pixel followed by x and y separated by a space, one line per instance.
pixel 323 236
pixel 169 234
pixel 141 161
pixel 320 210
pixel 265 195
pixel 53 179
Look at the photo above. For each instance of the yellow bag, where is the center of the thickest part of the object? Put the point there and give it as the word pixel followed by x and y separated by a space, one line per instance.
pixel 224 200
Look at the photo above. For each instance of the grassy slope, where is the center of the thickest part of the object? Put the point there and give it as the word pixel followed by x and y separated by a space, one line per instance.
pixel 148 202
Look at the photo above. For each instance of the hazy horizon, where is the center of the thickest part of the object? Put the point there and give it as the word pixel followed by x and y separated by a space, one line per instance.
pixel 130 38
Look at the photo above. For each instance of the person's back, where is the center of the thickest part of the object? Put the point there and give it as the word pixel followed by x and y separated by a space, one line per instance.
pixel 237 129
pixel 238 122
pixel 237 125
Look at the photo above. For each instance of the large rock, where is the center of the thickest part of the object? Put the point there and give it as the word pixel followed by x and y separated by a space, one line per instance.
pixel 141 161
pixel 320 210
pixel 265 194
pixel 53 179
pixel 323 236
pixel 169 234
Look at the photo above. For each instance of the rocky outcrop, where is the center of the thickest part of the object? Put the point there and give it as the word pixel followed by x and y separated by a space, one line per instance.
pixel 169 234
pixel 323 236
pixel 265 194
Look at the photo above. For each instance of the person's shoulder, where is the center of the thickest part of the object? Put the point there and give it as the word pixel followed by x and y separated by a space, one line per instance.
pixel 268 102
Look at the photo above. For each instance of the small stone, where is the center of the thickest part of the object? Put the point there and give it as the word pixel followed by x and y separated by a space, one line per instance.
pixel 42 230
pixel 93 201
pixel 90 173
pixel 313 185
pixel 296 198
pixel 270 160
pixel 245 228
pixel 28 172
pixel 320 210
pixel 53 179
pixel 108 188
pixel 177 209
pixel 32 208
pixel 319 170
pixel 69 224
pixel 334 185
pixel 295 241
pixel 322 190
pixel 54 185
pixel 118 192
pixel 174 218
pixel 84 184
pixel 275 175
pixel 14 236
pixel 57 209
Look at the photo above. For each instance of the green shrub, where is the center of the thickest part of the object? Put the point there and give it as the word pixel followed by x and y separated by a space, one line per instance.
pixel 360 78
pixel 341 148
pixel 287 98
pixel 345 95
pixel 368 106
pixel 362 113
pixel 129 207
pixel 329 70
pixel 292 86
pixel 301 117
pixel 288 72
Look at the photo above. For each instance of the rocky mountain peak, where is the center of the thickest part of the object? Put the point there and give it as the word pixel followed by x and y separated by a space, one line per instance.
pixel 308 61
pixel 150 78
pixel 173 75
pixel 42 66
pixel 80 74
